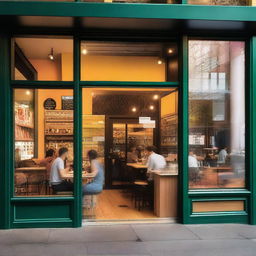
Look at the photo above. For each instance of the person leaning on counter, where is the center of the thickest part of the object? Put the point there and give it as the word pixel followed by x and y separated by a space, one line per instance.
pixel 155 161
pixel 58 171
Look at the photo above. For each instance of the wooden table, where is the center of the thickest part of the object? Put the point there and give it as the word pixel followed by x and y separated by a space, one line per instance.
pixel 219 169
pixel 137 166
pixel 138 170
pixel 165 194
pixel 85 176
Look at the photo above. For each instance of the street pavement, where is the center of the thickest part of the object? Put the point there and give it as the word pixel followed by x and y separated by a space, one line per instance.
pixel 132 239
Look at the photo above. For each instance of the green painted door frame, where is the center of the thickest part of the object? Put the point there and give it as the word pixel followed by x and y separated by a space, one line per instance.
pixel 251 138
pixel 5 131
pixel 11 208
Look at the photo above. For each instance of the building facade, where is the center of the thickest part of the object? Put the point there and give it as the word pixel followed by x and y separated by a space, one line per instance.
pixel 73 73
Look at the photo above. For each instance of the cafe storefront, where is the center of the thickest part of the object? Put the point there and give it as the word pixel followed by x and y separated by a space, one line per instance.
pixel 119 78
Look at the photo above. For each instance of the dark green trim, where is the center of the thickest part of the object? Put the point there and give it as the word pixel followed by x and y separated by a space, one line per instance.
pixel 41 199
pixel 251 138
pixel 129 84
pixel 77 137
pixel 218 192
pixel 214 199
pixel 150 11
pixel 219 218
pixel 42 84
pixel 183 131
pixel 5 131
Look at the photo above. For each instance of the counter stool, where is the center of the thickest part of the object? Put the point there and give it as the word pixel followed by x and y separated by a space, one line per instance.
pixel 143 196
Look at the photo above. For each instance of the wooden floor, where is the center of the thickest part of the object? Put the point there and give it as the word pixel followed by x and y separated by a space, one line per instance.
pixel 117 205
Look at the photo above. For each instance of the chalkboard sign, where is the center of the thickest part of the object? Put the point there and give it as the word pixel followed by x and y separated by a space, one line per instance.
pixel 67 102
pixel 49 104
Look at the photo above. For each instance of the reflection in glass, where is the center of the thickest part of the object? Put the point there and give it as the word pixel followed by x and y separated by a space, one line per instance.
pixel 125 61
pixel 216 114
pixel 219 2
pixel 43 123
pixel 135 1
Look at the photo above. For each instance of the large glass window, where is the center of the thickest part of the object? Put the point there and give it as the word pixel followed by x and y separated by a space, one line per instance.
pixel 216 114
pixel 119 61
pixel 219 2
pixel 43 132
pixel 45 59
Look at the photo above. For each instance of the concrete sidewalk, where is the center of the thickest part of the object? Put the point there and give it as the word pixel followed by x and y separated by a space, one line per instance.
pixel 137 239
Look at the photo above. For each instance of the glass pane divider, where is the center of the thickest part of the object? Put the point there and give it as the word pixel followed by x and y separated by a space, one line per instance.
pixel 128 84
pixel 42 84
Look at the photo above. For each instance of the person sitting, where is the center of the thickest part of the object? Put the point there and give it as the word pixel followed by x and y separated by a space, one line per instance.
pixel 48 160
pixel 96 186
pixel 193 167
pixel 132 156
pixel 155 161
pixel 58 171
pixel 222 156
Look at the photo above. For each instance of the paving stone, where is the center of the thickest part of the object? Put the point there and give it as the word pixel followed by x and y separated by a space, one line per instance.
pixel 163 232
pixel 248 231
pixel 15 236
pixel 216 231
pixel 44 249
pixel 117 248
pixel 94 233
pixel 234 247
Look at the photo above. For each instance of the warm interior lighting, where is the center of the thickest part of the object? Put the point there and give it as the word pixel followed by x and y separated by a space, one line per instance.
pixel 50 55
pixel 134 109
pixel 159 62
pixel 27 92
pixel 170 51
pixel 84 51
pixel 156 97
pixel 151 107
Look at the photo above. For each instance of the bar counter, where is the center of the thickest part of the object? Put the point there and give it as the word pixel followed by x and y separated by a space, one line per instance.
pixel 165 194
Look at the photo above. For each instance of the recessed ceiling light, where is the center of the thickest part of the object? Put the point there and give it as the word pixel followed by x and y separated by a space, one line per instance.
pixel 27 92
pixel 159 62
pixel 151 107
pixel 170 50
pixel 156 97
pixel 84 51
pixel 134 109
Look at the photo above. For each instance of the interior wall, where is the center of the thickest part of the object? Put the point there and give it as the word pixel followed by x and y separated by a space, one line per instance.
pixel 115 68
pixel 42 95
pixel 47 70
pixel 169 104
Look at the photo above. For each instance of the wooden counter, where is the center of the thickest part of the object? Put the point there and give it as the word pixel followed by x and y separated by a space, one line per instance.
pixel 165 194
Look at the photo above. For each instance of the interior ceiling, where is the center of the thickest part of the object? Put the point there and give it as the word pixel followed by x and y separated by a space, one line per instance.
pixel 39 48
pixel 132 91
pixel 127 49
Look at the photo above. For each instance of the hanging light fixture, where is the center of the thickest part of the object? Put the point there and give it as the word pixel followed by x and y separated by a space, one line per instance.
pixel 50 55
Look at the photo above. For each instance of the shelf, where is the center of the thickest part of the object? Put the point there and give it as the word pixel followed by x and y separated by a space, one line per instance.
pixel 24 140
pixel 25 126
pixel 57 134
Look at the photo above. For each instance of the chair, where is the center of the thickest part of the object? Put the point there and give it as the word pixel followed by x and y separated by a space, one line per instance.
pixel 21 183
pixel 35 180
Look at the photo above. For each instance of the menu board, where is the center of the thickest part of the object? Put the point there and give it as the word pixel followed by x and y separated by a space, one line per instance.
pixel 67 102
